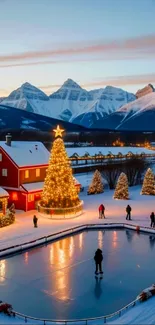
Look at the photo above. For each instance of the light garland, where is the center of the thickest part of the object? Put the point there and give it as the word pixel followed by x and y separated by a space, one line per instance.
pixel 59 190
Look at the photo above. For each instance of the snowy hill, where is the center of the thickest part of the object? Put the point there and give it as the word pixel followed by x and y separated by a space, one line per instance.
pixel 17 119
pixel 138 115
pixel 70 103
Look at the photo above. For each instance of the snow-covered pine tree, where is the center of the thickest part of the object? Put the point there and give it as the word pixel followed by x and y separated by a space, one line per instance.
pixel 121 190
pixel 148 187
pixel 96 185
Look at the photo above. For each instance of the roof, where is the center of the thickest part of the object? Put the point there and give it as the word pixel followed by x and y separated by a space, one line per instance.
pixel 27 153
pixel 32 187
pixel 3 193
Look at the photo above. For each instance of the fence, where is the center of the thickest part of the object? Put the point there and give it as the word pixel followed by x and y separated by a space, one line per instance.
pixel 85 321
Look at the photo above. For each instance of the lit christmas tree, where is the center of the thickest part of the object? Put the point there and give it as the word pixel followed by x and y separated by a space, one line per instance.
pixel 59 189
pixel 148 187
pixel 121 190
pixel 96 185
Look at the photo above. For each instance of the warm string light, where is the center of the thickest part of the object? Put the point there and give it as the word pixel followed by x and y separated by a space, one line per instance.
pixel 148 187
pixel 59 189
pixel 96 185
pixel 121 190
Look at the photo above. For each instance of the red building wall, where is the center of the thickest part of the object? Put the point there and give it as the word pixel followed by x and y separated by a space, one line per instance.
pixel 32 174
pixel 11 180
pixel 18 198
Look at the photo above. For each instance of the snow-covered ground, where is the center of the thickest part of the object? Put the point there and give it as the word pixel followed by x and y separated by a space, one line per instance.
pixel 22 230
pixel 105 150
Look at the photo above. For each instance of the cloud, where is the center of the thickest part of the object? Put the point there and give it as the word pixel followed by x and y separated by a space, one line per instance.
pixel 118 81
pixel 133 47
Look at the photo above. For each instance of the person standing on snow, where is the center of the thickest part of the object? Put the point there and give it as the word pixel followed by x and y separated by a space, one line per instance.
pixel 101 211
pixel 152 217
pixel 128 211
pixel 35 220
pixel 98 261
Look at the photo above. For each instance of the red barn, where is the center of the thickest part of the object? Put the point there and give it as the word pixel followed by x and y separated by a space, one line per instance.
pixel 23 167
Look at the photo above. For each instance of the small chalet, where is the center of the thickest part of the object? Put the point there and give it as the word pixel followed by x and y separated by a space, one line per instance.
pixel 23 167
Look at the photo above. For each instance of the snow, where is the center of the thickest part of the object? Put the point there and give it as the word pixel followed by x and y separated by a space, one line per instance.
pixel 140 104
pixel 142 206
pixel 105 150
pixel 27 153
pixel 30 187
pixel 69 102
pixel 3 193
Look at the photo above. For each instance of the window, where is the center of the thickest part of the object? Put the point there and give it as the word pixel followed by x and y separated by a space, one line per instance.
pixel 26 173
pixel 0 156
pixel 37 172
pixel 30 197
pixel 4 172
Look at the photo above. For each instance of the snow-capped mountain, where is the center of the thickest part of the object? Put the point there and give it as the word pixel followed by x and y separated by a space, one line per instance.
pixel 70 103
pixel 107 101
pixel 137 115
pixel 29 98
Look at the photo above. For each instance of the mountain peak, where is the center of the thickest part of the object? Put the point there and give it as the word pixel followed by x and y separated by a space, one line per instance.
pixel 69 83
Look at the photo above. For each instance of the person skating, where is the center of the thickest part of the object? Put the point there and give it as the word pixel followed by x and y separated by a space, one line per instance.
pixel 35 220
pixel 98 261
pixel 128 211
pixel 152 218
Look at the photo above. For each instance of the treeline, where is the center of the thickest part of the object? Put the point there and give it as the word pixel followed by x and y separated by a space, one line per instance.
pixel 134 169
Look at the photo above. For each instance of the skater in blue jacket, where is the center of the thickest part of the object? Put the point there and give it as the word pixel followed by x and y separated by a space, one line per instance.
pixel 98 261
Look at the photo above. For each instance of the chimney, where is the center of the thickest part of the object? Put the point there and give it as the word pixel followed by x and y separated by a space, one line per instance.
pixel 8 138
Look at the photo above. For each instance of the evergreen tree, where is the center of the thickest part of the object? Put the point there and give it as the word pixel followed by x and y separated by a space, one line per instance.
pixel 59 190
pixel 96 185
pixel 148 187
pixel 121 190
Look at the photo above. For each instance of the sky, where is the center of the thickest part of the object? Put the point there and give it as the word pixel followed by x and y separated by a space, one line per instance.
pixel 94 42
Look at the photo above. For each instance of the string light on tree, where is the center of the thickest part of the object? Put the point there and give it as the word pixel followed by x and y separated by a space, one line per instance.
pixel 59 190
pixel 96 185
pixel 148 187
pixel 121 190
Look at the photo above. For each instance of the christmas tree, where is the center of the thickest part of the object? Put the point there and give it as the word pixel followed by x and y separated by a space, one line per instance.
pixel 121 190
pixel 148 187
pixel 59 189
pixel 96 185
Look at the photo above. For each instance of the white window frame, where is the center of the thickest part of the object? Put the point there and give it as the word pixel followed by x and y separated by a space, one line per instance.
pixel 4 172
pixel 26 173
pixel 38 172
pixel 0 156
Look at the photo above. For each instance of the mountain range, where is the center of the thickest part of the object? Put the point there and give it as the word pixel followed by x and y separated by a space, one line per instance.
pixel 105 108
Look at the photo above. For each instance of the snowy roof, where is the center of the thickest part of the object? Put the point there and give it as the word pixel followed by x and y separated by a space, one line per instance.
pixel 31 187
pixel 27 153
pixel 81 151
pixel 3 193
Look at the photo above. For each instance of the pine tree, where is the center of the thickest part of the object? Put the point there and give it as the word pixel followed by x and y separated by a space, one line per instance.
pixel 148 187
pixel 59 190
pixel 121 190
pixel 96 185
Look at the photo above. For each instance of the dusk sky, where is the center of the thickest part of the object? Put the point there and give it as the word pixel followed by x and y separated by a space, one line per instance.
pixel 94 42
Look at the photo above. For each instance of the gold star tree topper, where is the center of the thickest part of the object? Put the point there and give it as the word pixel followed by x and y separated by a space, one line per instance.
pixel 58 131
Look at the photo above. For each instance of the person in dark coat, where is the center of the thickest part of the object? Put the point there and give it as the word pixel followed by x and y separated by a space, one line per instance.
pixel 128 211
pixel 101 211
pixel 152 218
pixel 35 220
pixel 98 261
